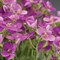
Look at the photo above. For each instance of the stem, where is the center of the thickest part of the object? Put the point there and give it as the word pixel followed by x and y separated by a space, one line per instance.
pixel 37 52
pixel 34 48
pixel 31 44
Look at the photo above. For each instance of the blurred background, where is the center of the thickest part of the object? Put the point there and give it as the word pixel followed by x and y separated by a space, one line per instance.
pixel 55 3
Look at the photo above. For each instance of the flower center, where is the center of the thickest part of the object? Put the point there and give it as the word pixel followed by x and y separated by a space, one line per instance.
pixel 18 11
pixel 51 19
pixel 45 34
pixel 59 43
pixel 8 50
pixel 8 24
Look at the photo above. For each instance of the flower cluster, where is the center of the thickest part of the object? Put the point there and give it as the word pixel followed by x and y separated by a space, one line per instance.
pixel 28 20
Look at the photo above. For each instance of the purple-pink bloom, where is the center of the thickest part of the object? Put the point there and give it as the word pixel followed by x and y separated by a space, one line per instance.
pixel 31 22
pixel 46 35
pixel 51 19
pixel 16 8
pixel 8 50
pixel 17 37
pixel 14 26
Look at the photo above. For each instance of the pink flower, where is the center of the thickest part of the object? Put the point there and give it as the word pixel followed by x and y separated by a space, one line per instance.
pixel 8 50
pixel 16 8
pixel 46 35
pixel 31 22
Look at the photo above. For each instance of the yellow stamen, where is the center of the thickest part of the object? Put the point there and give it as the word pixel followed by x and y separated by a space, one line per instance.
pixel 13 21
